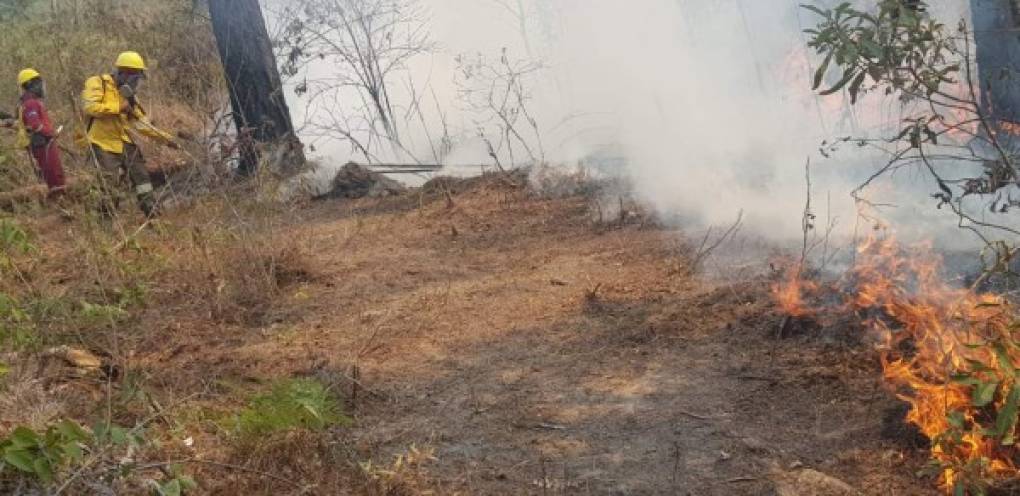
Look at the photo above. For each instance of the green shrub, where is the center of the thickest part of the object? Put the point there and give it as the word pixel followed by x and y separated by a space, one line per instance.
pixel 291 404
pixel 47 457
pixel 17 330
pixel 41 455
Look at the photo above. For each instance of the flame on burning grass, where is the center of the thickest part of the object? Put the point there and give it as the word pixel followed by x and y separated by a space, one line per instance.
pixel 949 352
pixel 791 292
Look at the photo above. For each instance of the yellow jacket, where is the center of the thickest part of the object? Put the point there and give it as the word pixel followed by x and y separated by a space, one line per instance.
pixel 107 127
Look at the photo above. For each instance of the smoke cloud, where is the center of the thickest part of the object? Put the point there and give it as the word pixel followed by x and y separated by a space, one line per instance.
pixel 707 102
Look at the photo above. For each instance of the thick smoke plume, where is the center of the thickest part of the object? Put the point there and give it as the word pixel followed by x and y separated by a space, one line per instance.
pixel 705 103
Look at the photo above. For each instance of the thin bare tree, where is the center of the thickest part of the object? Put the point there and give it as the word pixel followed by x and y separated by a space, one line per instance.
pixel 497 94
pixel 370 43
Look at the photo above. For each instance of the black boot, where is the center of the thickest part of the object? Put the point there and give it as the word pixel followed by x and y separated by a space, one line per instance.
pixel 147 203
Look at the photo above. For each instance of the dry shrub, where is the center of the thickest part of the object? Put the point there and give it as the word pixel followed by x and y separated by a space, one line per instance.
pixel 254 274
pixel 241 257
pixel 549 181
pixel 406 476
pixel 24 400
pixel 281 463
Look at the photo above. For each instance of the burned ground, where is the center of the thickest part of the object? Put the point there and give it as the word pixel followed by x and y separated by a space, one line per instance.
pixel 534 352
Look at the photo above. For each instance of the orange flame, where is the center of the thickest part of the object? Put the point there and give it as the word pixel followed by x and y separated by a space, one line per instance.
pixel 791 292
pixel 931 333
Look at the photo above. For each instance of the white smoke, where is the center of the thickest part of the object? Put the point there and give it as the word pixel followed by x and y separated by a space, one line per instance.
pixel 707 101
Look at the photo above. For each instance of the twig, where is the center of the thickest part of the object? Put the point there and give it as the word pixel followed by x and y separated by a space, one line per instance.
pixel 807 221
pixel 693 415
pixel 128 239
pixel 703 252
pixel 551 427
pixel 762 378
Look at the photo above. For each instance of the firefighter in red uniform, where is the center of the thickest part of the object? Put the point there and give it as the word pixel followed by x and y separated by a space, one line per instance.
pixel 35 131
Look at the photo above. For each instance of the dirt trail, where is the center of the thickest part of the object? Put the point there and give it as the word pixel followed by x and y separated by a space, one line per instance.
pixel 539 354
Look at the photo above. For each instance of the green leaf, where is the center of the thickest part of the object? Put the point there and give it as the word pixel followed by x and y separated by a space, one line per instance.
pixel 984 393
pixel 871 49
pixel 956 419
pixel 187 483
pixel 820 72
pixel 72 451
pixel 1005 362
pixel 847 77
pixel 118 436
pixel 976 365
pixel 23 437
pixel 310 407
pixel 101 431
pixel 960 489
pixel 43 470
pixel 1006 419
pixel 72 431
pixel 20 459
pixel 172 488
pixel 964 379
pixel 816 10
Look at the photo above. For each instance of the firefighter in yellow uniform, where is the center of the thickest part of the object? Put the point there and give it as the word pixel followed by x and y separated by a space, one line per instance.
pixel 114 117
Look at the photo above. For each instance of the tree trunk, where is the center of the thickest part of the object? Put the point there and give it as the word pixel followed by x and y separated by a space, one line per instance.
pixel 997 43
pixel 253 79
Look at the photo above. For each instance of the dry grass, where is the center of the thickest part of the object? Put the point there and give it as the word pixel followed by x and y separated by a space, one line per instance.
pixel 25 399
pixel 529 346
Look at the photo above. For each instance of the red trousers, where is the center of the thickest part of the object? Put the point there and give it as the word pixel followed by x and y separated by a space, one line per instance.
pixel 47 158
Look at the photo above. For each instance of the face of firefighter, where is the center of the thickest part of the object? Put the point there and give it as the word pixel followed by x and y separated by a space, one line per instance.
pixel 36 87
pixel 131 79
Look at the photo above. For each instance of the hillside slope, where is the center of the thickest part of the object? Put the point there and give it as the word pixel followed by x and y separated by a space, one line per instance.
pixel 526 348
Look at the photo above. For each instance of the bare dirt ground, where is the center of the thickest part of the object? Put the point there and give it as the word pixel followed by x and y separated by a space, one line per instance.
pixel 539 353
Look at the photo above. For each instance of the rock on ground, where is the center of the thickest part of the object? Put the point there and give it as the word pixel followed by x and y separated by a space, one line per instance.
pixel 356 181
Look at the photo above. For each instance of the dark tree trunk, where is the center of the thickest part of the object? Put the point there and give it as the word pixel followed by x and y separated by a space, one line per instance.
pixel 997 41
pixel 256 92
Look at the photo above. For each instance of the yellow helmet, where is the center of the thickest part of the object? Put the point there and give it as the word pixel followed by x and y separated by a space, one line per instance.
pixel 131 60
pixel 27 75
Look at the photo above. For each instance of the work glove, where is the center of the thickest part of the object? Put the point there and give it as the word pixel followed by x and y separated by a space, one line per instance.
pixel 128 94
pixel 37 140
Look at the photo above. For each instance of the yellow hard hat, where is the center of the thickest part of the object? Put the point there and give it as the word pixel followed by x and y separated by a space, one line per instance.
pixel 131 60
pixel 27 75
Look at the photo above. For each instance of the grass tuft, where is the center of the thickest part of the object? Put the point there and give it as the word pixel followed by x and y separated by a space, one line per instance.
pixel 291 404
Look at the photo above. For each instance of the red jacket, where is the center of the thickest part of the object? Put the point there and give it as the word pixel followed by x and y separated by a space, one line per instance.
pixel 34 115
pixel 36 121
